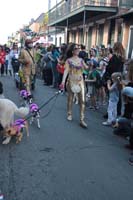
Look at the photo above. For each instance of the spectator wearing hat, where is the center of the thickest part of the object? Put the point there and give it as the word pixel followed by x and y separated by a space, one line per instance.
pixel 27 58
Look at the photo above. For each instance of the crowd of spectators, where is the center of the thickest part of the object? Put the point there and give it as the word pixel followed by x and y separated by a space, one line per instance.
pixel 108 79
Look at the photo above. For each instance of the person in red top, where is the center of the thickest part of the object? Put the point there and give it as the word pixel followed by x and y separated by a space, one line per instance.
pixel 2 60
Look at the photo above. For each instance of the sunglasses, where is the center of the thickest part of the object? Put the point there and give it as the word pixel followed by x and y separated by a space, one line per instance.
pixel 76 48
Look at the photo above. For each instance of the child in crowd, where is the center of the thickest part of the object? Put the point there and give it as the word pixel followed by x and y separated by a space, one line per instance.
pixel 93 54
pixel 93 80
pixel 102 93
pixel 114 90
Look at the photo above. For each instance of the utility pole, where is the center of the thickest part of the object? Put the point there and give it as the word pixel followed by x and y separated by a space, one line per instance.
pixel 84 28
pixel 49 6
pixel 67 22
pixel 55 25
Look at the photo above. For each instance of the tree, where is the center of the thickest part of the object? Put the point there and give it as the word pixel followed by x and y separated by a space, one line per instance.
pixel 45 20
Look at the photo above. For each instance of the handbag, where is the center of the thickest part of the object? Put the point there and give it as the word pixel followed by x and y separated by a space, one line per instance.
pixel 75 87
pixel 60 68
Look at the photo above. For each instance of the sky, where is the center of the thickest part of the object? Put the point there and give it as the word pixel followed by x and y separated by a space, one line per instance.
pixel 16 13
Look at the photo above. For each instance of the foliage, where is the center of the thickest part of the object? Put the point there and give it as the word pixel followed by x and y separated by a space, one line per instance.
pixel 45 20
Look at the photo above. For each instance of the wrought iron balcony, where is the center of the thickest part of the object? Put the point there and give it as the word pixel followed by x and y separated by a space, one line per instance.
pixel 126 3
pixel 66 8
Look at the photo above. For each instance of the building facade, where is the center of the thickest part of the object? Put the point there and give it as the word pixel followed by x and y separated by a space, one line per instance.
pixel 37 25
pixel 127 39
pixel 91 22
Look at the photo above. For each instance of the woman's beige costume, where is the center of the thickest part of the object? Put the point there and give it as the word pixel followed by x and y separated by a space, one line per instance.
pixel 75 84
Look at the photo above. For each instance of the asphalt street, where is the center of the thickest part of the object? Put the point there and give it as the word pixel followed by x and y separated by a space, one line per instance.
pixel 62 161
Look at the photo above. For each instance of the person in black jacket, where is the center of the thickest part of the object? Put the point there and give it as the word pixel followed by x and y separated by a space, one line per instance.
pixel 116 65
pixel 116 61
pixel 83 54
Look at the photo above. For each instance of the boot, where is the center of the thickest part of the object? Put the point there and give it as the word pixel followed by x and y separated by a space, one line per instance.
pixel 83 124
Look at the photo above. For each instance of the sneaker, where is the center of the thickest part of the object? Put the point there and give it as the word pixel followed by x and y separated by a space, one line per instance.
pixel 106 123
pixel 69 118
pixel 91 107
pixel 83 124
pixel 130 161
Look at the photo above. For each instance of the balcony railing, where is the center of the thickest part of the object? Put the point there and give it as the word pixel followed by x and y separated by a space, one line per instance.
pixel 126 3
pixel 64 8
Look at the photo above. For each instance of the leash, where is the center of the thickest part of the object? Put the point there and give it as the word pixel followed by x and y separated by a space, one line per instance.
pixel 44 104
pixel 50 99
pixel 50 110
